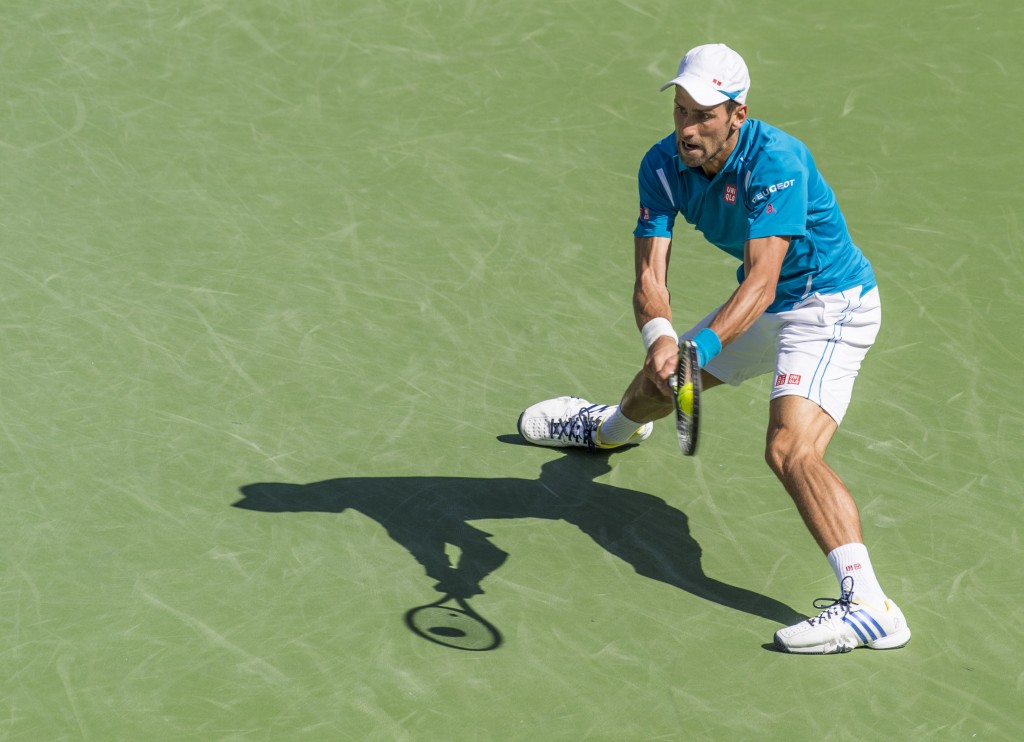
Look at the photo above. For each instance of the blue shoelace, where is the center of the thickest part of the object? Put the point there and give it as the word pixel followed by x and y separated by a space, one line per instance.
pixel 836 606
pixel 580 427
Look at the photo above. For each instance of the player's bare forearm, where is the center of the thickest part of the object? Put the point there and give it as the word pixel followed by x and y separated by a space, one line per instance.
pixel 650 292
pixel 763 262
pixel 651 299
pixel 746 304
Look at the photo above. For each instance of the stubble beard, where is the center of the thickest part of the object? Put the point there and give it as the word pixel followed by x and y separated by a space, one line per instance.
pixel 703 159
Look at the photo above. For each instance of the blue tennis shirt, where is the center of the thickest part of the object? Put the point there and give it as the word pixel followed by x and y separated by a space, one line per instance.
pixel 769 187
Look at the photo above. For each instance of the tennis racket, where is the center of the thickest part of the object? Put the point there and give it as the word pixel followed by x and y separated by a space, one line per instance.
pixel 452 623
pixel 687 398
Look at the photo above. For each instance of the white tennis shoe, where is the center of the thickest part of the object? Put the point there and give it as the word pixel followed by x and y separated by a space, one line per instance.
pixel 846 624
pixel 566 422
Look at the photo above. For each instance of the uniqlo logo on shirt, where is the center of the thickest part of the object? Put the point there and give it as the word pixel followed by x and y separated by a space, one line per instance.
pixel 730 194
pixel 645 213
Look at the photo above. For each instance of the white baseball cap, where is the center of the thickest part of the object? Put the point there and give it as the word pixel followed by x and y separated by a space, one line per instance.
pixel 712 74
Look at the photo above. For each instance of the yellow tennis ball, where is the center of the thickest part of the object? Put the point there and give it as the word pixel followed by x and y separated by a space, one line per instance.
pixel 685 398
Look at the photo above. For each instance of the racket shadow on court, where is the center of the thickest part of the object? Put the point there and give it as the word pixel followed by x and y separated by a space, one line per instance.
pixel 426 514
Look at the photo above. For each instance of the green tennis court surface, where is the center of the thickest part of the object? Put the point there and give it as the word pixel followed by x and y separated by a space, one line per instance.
pixel 249 246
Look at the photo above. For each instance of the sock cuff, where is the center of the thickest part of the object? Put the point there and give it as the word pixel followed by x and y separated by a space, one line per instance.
pixel 852 560
pixel 617 428
pixel 853 550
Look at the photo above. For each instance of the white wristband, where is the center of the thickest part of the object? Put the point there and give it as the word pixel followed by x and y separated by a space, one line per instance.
pixel 656 328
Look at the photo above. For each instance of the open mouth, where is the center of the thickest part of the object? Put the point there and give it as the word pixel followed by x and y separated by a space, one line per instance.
pixel 688 149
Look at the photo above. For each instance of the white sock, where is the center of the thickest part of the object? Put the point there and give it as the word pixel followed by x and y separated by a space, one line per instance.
pixel 852 560
pixel 617 428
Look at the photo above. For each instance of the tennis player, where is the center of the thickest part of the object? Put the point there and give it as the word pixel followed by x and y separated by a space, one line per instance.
pixel 806 310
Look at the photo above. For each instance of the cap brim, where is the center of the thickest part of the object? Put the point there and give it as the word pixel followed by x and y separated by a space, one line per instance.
pixel 700 91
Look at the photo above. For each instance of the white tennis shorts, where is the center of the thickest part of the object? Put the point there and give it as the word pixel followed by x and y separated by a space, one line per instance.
pixel 814 349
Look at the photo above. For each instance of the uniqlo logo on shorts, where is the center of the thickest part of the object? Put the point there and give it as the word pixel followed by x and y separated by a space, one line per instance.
pixel 645 213
pixel 730 194
pixel 787 380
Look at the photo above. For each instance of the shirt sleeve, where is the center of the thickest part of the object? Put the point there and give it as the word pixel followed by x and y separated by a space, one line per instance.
pixel 777 191
pixel 657 204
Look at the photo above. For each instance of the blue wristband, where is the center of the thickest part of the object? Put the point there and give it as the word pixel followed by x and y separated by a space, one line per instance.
pixel 708 345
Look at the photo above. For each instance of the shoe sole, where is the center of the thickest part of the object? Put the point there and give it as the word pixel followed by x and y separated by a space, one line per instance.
pixel 893 641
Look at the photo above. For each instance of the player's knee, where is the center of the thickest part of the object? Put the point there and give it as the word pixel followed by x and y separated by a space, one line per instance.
pixel 785 451
pixel 774 455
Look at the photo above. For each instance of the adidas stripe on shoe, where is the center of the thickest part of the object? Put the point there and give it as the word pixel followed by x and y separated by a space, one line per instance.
pixel 845 625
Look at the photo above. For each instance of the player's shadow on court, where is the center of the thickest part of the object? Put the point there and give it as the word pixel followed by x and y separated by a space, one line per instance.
pixel 424 514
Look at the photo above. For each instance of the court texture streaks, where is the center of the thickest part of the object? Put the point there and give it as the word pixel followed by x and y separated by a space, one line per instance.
pixel 249 246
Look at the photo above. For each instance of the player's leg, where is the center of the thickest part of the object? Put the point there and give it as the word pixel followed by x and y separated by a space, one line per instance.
pixel 642 403
pixel 799 432
pixel 572 421
pixel 566 422
pixel 821 347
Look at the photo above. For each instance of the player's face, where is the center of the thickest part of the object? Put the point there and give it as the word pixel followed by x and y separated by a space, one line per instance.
pixel 705 134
